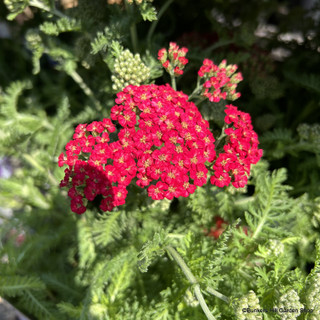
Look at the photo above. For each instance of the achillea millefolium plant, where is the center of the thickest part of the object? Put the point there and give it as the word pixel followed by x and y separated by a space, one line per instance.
pixel 119 110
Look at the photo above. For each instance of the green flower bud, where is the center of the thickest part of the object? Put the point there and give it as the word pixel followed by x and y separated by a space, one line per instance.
pixel 289 305
pixel 313 297
pixel 190 299
pixel 275 248
pixel 246 307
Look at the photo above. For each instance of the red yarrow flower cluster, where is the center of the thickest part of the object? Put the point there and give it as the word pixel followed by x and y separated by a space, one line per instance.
pixel 174 59
pixel 240 151
pixel 220 81
pixel 220 226
pixel 161 142
pixel 170 141
pixel 164 144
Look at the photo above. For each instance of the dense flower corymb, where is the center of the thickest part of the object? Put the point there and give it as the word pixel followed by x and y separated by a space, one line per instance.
pixel 164 143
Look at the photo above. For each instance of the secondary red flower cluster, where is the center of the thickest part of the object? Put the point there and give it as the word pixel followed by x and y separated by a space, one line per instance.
pixel 174 59
pixel 220 81
pixel 240 151
pixel 164 142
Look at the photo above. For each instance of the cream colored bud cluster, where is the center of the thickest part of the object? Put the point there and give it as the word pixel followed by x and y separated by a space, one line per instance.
pixel 190 299
pixel 289 305
pixel 275 248
pixel 248 307
pixel 129 69
pixel 313 297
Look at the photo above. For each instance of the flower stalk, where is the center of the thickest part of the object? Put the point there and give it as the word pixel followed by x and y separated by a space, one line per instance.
pixel 189 275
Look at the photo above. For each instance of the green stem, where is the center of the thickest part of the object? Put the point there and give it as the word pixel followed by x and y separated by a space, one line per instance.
pixel 173 82
pixel 185 269
pixel 245 274
pixel 133 29
pixel 222 134
pixel 40 5
pixel 199 100
pixel 187 272
pixel 77 78
pixel 196 90
pixel 155 22
pixel 244 201
pixel 175 235
pixel 202 302
pixel 134 37
pixel 218 294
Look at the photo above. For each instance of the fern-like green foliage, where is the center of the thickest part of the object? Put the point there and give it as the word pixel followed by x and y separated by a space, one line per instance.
pixel 104 39
pixel 316 268
pixel 13 286
pixel 34 43
pixel 15 7
pixel 308 81
pixel 272 205
pixel 151 249
pixel 108 228
pixel 9 99
pixel 148 12
pixel 21 126
pixel 86 244
pixel 30 292
pixel 211 273
pixel 60 26
pixel 69 310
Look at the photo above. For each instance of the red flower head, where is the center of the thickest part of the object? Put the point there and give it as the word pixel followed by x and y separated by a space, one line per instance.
pixel 220 81
pixel 174 59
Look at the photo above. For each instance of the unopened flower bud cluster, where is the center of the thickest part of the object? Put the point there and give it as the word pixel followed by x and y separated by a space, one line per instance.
pixel 313 297
pixel 174 59
pixel 220 80
pixel 246 305
pixel 275 248
pixel 190 299
pixel 129 69
pixel 290 301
